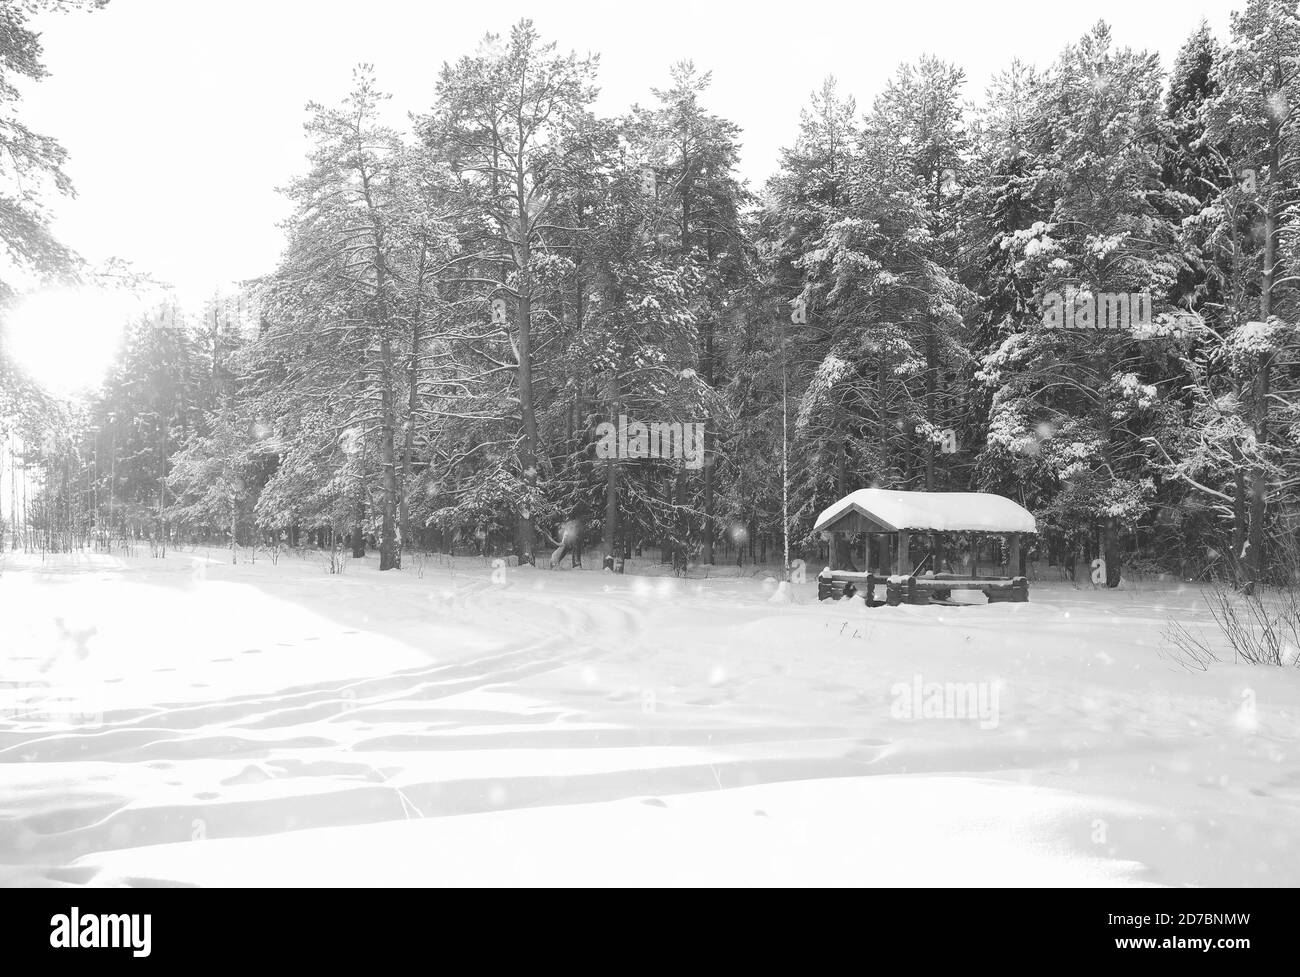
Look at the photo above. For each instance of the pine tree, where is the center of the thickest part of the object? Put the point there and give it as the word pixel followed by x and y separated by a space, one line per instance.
pixel 1254 112
pixel 1080 401
pixel 502 113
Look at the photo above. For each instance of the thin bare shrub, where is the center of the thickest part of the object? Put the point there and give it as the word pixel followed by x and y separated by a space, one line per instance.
pixel 1261 627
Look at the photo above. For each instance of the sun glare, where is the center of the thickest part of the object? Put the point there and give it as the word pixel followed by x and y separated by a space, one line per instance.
pixel 64 339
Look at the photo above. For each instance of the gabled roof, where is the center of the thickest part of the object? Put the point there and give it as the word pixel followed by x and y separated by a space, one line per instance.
pixel 933 511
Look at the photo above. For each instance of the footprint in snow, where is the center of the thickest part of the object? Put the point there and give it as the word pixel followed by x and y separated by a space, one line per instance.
pixel 252 774
pixel 709 701
pixel 654 802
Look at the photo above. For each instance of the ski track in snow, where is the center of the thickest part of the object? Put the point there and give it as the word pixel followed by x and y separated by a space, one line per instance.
pixel 277 725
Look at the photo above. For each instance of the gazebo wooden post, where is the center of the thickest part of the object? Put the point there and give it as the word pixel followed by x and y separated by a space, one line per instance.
pixel 1013 555
pixel 903 558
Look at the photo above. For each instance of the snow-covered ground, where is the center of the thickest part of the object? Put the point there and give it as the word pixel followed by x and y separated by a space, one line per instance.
pixel 185 721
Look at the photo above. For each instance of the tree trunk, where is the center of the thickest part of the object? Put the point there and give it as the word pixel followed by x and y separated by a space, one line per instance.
pixel 931 371
pixel 611 507
pixel 882 396
pixel 390 557
pixel 358 536
pixel 1111 551
pixel 412 405
pixel 528 449
pixel 706 529
pixel 1260 385
pixel 389 554
pixel 843 548
pixel 682 521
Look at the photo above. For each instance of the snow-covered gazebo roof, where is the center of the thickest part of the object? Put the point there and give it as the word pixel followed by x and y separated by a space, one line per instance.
pixel 887 511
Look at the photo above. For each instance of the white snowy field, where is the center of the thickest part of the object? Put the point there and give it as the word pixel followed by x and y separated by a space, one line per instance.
pixel 182 721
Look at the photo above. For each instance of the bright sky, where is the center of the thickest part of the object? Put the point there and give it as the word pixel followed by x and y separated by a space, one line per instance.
pixel 182 118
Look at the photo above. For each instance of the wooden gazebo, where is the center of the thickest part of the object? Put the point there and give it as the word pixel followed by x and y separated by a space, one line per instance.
pixel 886 520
